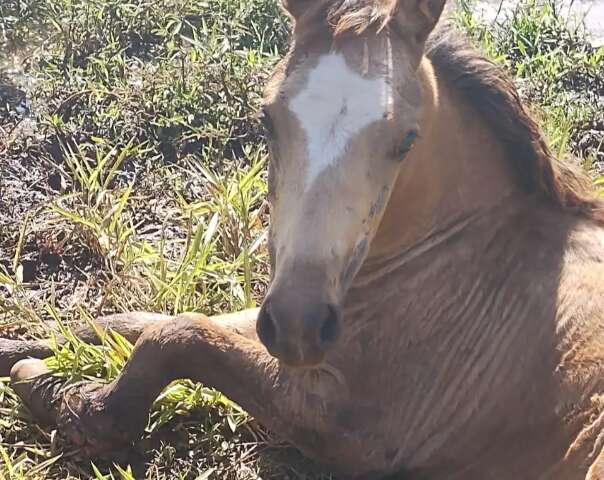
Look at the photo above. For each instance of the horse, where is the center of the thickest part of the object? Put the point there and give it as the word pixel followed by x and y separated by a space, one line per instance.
pixel 436 303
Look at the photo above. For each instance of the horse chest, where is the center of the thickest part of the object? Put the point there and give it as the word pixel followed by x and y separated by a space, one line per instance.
pixel 438 378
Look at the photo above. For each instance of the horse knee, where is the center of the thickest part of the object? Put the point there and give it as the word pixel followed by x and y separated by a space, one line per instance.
pixel 182 346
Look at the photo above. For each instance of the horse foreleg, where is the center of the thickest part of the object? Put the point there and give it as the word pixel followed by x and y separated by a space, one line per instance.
pixel 129 325
pixel 99 417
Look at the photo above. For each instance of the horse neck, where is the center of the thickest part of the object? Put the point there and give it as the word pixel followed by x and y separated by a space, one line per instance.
pixel 457 167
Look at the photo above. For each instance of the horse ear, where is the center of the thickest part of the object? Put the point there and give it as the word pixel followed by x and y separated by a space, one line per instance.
pixel 418 17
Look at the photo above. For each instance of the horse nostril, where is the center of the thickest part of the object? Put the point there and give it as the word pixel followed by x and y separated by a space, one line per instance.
pixel 298 334
pixel 266 328
pixel 331 327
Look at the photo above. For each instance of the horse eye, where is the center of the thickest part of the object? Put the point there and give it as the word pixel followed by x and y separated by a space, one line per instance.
pixel 406 144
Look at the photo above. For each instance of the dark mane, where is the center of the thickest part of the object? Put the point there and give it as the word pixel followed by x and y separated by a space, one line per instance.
pixel 492 93
pixel 356 16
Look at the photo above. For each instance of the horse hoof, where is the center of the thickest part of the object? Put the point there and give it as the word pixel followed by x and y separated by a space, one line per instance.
pixel 78 411
pixel 28 369
pixel 34 383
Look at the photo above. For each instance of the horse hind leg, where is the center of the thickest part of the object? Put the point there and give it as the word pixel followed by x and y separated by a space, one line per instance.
pixel 132 324
pixel 11 351
pixel 129 325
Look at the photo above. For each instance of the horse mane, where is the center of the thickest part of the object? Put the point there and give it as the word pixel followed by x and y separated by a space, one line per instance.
pixel 356 16
pixel 492 94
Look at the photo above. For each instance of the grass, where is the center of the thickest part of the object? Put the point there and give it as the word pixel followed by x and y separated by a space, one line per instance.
pixel 132 177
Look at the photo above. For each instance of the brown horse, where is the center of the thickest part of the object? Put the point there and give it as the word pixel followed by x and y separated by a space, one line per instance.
pixel 437 300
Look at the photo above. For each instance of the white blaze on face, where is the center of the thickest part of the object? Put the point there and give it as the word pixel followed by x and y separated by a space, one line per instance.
pixel 334 106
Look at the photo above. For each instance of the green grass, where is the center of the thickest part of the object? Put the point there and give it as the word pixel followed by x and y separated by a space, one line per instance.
pixel 134 179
